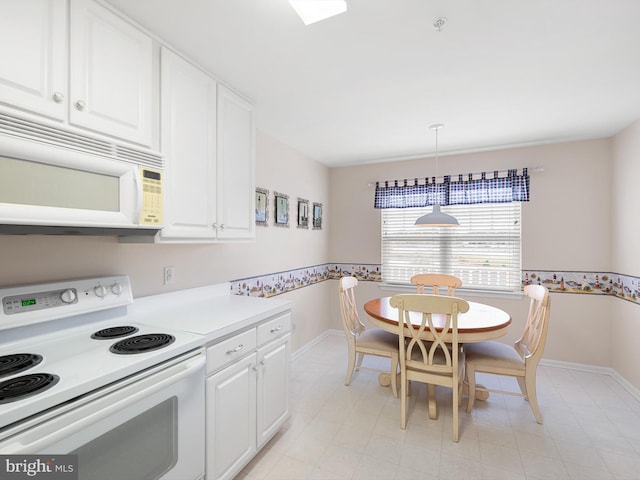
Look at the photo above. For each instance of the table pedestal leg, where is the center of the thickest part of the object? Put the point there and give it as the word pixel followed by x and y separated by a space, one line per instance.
pixel 384 379
pixel 433 408
pixel 480 394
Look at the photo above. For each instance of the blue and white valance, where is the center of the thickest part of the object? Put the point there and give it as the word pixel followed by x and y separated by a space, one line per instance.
pixel 505 186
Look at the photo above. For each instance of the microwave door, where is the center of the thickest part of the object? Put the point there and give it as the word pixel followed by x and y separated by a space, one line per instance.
pixel 45 194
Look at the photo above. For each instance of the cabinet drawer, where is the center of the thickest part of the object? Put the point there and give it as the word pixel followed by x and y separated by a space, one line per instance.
pixel 229 350
pixel 274 328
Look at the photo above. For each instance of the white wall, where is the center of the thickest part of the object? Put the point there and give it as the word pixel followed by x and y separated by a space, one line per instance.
pixel 626 253
pixel 36 258
pixel 558 231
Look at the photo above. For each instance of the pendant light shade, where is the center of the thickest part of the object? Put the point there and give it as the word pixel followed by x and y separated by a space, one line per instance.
pixel 437 218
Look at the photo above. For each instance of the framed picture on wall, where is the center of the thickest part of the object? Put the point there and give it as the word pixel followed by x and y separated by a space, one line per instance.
pixel 281 209
pixel 262 206
pixel 303 213
pixel 317 216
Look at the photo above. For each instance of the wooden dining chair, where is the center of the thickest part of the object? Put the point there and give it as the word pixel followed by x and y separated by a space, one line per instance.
pixel 435 281
pixel 435 361
pixel 521 360
pixel 362 341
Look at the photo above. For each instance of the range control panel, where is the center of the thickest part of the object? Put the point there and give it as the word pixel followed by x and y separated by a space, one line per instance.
pixel 38 301
pixel 26 304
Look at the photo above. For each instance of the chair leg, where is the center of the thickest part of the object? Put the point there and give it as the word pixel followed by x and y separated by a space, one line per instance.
pixel 350 367
pixel 530 382
pixel 470 375
pixel 455 392
pixel 360 358
pixel 403 400
pixel 394 375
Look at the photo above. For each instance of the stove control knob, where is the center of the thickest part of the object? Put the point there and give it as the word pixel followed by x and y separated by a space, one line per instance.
pixel 68 296
pixel 100 291
pixel 116 288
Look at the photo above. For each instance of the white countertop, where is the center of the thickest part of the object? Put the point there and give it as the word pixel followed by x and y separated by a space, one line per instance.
pixel 208 311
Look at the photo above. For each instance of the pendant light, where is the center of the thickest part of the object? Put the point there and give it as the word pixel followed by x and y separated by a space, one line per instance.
pixel 437 218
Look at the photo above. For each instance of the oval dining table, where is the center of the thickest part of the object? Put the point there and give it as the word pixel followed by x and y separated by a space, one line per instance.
pixel 482 322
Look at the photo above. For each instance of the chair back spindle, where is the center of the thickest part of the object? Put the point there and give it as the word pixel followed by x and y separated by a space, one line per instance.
pixel 435 281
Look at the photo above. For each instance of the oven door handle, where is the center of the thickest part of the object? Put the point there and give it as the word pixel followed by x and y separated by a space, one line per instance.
pixel 65 425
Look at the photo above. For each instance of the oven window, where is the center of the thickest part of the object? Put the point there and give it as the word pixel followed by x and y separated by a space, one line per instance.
pixel 144 448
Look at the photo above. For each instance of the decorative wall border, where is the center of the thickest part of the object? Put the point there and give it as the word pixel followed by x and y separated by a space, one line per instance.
pixel 281 282
pixel 626 287
pixel 278 283
pixel 621 286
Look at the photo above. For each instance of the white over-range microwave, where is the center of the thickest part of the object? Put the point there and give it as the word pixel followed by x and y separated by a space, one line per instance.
pixel 57 182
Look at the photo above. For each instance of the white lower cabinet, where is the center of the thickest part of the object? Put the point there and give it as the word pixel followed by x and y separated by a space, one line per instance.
pixel 247 394
pixel 231 418
pixel 273 388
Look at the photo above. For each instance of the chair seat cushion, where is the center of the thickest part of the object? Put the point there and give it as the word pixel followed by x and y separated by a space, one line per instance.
pixel 379 339
pixel 493 355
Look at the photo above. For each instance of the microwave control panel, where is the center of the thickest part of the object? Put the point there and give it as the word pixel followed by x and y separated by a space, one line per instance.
pixel 151 212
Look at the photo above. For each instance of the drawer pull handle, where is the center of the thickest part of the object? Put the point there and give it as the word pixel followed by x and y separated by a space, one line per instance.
pixel 277 329
pixel 235 350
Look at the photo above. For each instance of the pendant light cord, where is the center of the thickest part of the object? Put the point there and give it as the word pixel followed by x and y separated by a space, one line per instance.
pixel 438 128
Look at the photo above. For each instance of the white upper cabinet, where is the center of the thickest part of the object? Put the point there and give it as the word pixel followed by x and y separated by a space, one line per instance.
pixel 111 74
pixel 78 63
pixel 208 139
pixel 188 136
pixel 236 166
pixel 33 56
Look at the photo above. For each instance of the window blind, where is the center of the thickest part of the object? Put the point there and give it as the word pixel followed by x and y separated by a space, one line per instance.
pixel 484 251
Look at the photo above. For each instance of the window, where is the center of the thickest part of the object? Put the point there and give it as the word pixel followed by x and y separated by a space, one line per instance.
pixel 484 251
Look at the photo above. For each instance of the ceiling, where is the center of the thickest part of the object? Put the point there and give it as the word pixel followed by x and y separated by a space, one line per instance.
pixel 364 86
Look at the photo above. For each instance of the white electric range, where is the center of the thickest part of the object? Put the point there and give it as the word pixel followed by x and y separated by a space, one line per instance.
pixel 79 375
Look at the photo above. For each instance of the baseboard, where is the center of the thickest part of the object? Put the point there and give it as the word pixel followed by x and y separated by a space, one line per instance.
pixel 623 382
pixel 305 348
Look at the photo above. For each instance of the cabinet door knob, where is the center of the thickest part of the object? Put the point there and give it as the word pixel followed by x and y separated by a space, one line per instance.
pixel 80 105
pixel 214 225
pixel 222 226
pixel 58 97
pixel 277 329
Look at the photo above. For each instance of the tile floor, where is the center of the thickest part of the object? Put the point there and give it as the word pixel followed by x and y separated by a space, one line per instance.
pixel 591 429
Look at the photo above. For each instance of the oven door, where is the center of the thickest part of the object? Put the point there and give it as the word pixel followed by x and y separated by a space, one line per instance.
pixel 149 426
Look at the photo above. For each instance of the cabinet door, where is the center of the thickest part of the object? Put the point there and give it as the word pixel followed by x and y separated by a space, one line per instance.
pixel 188 127
pixel 273 388
pixel 231 419
pixel 110 74
pixel 34 60
pixel 236 177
